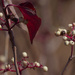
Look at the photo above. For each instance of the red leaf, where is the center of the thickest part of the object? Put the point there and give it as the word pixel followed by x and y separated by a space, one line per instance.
pixel 29 14
pixel 28 5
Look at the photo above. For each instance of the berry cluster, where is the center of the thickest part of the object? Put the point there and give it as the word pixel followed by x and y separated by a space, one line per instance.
pixel 22 65
pixel 68 35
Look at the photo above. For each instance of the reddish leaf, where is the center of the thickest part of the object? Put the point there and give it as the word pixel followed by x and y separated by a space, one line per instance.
pixel 28 5
pixel 29 14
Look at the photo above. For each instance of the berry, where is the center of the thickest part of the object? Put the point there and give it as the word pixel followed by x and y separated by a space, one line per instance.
pixel 66 42
pixel 45 68
pixel 71 42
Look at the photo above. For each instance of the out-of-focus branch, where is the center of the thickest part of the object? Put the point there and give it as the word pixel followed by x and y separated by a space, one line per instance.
pixel 12 9
pixel 6 49
pixel 6 46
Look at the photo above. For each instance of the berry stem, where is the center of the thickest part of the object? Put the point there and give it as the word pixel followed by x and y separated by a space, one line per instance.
pixel 2 19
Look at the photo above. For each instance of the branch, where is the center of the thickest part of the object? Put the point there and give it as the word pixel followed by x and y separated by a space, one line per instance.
pixel 11 39
pixel 6 49
pixel 69 60
pixel 66 65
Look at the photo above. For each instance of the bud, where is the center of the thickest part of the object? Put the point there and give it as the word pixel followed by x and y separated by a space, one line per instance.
pixel 14 19
pixel 21 19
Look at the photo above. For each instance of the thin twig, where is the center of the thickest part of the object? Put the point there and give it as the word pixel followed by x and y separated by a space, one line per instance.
pixel 66 65
pixel 69 60
pixel 14 51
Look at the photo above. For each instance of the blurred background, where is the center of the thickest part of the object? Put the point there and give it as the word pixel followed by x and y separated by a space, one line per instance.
pixel 47 49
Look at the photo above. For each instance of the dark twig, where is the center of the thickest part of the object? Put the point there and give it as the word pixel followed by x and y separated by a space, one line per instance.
pixel 69 60
pixel 14 51
pixel 66 65
pixel 11 39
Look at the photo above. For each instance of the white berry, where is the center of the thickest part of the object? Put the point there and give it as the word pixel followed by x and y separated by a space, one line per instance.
pixel 0 26
pixel 25 63
pixel 59 29
pixel 12 59
pixel 37 64
pixel 58 33
pixel 74 23
pixel 1 14
pixel 64 38
pixel 71 42
pixel 24 54
pixel 45 68
pixel 66 42
pixel 7 66
pixel 65 30
pixel 70 25
pixel 73 32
